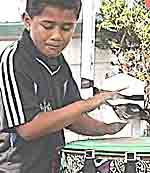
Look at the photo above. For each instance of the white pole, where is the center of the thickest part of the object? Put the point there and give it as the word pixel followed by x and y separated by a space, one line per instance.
pixel 88 44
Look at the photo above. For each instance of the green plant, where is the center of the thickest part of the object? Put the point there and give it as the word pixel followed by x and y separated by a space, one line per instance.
pixel 130 27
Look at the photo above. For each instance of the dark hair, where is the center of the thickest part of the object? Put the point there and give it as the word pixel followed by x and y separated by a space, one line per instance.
pixel 35 7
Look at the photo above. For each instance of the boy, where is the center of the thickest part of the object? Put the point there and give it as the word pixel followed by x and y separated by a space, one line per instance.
pixel 39 94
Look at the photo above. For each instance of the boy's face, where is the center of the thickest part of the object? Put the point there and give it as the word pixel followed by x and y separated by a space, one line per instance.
pixel 51 30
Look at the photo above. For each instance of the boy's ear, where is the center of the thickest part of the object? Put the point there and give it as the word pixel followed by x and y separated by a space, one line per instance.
pixel 27 21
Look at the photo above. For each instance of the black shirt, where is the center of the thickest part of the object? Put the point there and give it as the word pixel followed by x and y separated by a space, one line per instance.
pixel 31 83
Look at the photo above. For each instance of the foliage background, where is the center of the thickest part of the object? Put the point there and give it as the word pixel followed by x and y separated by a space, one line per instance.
pixel 130 27
pixel 125 29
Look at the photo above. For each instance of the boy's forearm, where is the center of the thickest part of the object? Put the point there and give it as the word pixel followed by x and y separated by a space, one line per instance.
pixel 49 122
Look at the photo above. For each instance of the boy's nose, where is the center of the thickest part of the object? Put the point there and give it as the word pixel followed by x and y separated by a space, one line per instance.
pixel 57 33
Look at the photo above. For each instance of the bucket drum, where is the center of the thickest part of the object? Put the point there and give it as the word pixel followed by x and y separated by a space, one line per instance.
pixel 107 155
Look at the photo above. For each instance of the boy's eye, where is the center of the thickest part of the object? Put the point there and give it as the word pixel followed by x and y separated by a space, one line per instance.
pixel 48 26
pixel 64 27
pixel 67 27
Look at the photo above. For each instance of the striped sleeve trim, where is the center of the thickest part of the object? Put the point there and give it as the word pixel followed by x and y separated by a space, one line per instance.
pixel 10 93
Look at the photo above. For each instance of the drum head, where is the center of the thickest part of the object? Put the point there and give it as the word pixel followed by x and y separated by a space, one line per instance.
pixel 126 144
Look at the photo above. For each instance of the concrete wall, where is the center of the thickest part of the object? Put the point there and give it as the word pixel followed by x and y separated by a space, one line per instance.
pixel 102 58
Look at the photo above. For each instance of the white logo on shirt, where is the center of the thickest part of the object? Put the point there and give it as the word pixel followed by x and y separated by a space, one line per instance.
pixel 46 106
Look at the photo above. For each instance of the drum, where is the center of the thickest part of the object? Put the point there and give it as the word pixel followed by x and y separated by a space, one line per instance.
pixel 107 155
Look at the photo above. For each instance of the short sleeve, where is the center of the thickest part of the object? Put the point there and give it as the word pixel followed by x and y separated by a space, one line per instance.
pixel 19 103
